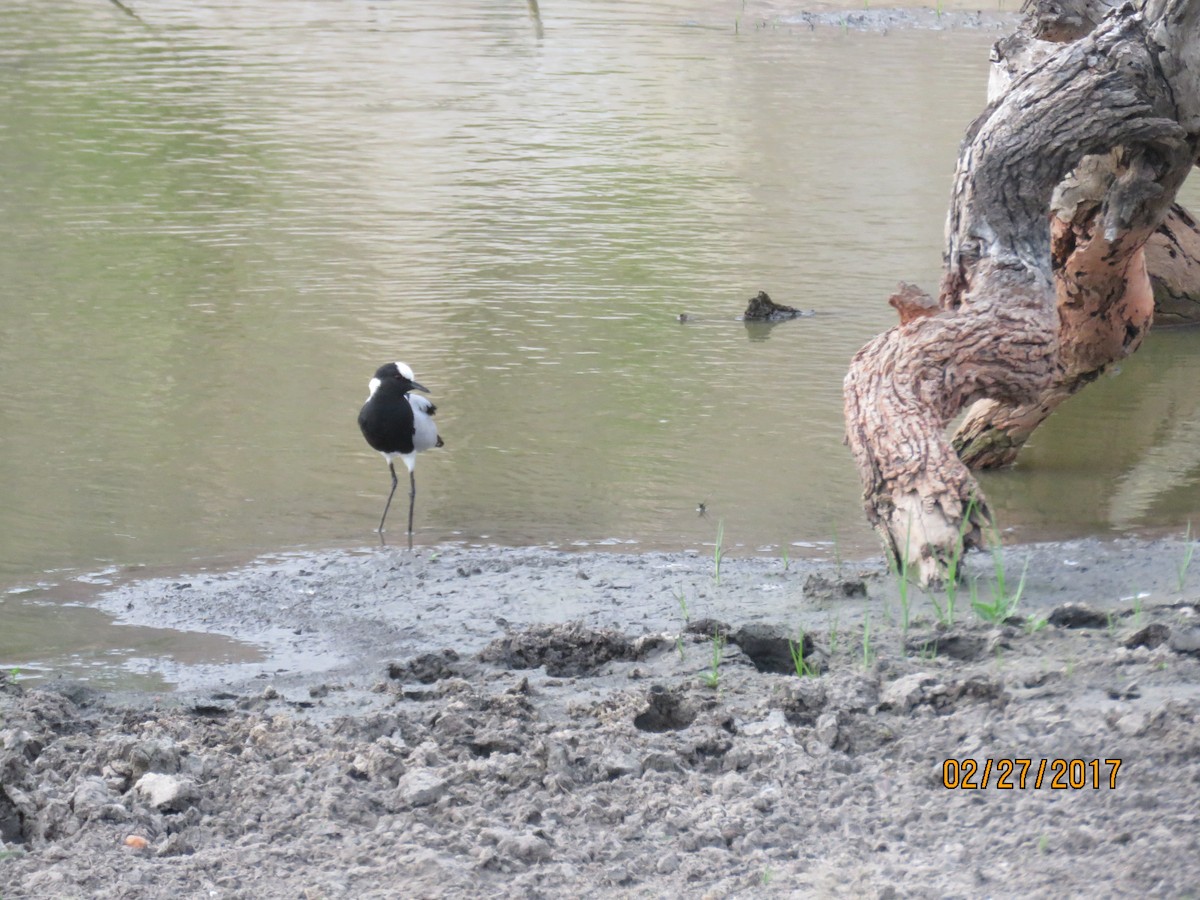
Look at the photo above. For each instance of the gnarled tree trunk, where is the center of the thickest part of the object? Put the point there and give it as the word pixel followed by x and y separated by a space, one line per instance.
pixel 1173 251
pixel 994 431
pixel 1173 258
pixel 1060 184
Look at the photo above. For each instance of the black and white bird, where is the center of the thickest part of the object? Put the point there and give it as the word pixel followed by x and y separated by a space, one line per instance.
pixel 397 422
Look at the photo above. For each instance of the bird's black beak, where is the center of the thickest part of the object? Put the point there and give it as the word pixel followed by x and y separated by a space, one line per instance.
pixel 419 387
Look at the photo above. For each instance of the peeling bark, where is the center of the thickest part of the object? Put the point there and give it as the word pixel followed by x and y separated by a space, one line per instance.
pixel 912 303
pixel 1060 183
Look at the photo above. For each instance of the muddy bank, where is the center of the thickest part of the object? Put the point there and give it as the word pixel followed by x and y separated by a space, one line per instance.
pixel 864 18
pixel 529 723
pixel 857 15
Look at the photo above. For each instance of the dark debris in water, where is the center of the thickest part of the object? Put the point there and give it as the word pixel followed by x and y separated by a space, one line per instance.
pixel 761 308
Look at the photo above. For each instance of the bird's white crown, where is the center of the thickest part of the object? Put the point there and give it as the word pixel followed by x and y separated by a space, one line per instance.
pixel 405 370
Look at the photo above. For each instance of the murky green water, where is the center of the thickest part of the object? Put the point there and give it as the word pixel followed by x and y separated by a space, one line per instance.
pixel 220 217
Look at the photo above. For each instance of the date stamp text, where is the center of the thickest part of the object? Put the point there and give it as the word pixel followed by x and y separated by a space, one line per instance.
pixel 1019 774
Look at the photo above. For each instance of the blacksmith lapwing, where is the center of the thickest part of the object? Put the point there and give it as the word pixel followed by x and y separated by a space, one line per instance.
pixel 397 422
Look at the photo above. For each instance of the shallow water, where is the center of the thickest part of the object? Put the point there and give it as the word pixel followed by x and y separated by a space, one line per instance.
pixel 228 214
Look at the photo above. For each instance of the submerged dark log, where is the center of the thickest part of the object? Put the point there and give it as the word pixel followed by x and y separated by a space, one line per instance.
pixel 1060 183
pixel 762 308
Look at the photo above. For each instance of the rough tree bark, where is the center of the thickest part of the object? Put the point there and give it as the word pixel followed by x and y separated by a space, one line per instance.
pixel 1173 251
pixel 994 431
pixel 1173 258
pixel 1060 183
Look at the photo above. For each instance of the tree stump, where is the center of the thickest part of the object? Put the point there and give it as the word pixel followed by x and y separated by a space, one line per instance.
pixel 1060 184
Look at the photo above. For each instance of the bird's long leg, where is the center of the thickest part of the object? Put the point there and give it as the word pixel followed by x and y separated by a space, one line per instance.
pixel 388 505
pixel 412 501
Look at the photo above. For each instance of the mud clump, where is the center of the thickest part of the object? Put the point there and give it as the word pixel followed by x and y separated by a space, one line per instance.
pixel 564 650
pixel 1151 636
pixel 428 667
pixel 768 647
pixel 961 643
pixel 665 711
pixel 1076 615
pixel 821 586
